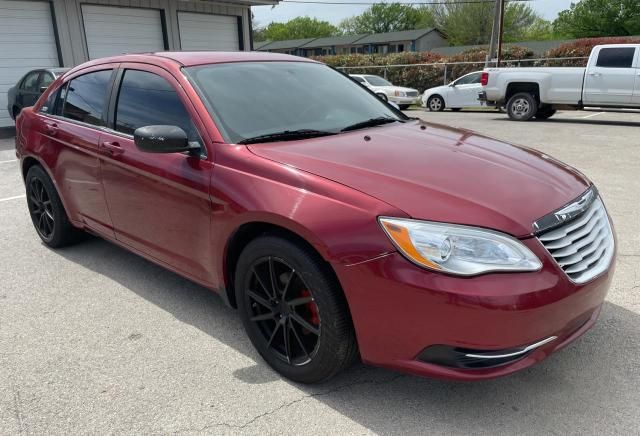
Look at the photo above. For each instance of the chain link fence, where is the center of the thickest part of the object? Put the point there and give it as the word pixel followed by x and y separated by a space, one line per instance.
pixel 429 75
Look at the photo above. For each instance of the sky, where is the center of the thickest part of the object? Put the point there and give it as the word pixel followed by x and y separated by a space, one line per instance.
pixel 335 13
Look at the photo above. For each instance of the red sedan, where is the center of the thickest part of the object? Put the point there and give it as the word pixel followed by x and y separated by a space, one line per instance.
pixel 338 227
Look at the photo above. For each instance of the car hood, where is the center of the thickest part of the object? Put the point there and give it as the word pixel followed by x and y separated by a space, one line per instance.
pixel 438 173
pixel 437 89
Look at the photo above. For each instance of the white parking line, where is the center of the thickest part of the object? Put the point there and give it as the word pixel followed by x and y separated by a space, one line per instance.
pixel 592 115
pixel 8 161
pixel 12 198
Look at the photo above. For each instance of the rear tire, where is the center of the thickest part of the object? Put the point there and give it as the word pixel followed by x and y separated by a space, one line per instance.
pixel 47 212
pixel 294 310
pixel 435 103
pixel 545 114
pixel 522 106
pixel 456 109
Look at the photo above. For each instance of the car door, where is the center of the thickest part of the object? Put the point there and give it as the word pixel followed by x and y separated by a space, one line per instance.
pixel 28 91
pixel 72 127
pixel 610 77
pixel 159 202
pixel 465 92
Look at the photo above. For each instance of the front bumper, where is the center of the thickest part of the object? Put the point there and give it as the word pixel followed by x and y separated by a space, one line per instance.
pixel 400 311
pixel 482 97
pixel 404 100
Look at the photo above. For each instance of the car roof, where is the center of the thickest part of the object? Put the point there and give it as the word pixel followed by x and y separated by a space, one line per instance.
pixel 193 58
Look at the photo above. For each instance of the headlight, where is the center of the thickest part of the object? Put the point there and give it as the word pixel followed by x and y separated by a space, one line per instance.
pixel 456 249
pixel 401 94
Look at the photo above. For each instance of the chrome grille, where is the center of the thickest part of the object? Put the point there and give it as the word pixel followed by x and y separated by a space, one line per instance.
pixel 412 93
pixel 583 247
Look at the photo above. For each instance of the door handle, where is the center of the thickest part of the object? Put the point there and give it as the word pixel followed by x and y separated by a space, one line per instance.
pixel 111 148
pixel 51 129
pixel 593 73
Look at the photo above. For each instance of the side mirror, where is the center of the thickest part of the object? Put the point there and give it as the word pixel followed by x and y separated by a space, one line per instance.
pixel 163 139
pixel 452 84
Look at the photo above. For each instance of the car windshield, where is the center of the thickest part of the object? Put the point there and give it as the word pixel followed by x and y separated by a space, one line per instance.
pixel 377 81
pixel 252 100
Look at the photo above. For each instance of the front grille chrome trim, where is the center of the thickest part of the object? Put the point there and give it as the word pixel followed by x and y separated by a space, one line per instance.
pixel 583 245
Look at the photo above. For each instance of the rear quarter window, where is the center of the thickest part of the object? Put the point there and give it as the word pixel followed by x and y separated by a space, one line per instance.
pixel 616 57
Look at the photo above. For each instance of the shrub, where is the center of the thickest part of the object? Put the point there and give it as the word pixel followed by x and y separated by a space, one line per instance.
pixel 583 47
pixel 420 77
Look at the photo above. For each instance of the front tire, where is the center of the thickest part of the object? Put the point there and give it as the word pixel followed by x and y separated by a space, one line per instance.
pixel 293 310
pixel 522 106
pixel 435 103
pixel 47 212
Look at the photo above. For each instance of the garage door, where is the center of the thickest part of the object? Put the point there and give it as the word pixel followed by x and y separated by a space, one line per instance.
pixel 116 30
pixel 27 42
pixel 208 32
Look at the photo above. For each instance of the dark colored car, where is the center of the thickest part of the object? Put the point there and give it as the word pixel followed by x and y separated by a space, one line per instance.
pixel 30 87
pixel 339 228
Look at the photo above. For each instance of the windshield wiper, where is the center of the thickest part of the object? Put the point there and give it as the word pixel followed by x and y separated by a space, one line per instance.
pixel 286 135
pixel 371 122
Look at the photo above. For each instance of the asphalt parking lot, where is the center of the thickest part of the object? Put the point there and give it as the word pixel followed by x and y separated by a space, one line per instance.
pixel 94 339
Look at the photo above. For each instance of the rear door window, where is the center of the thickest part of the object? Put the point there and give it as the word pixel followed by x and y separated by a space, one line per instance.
pixel 616 57
pixel 86 97
pixel 469 80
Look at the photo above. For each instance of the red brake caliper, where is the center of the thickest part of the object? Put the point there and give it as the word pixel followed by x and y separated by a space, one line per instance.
pixel 312 308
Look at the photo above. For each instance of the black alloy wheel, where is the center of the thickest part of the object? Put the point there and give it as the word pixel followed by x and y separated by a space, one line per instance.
pixel 47 212
pixel 40 208
pixel 294 310
pixel 284 310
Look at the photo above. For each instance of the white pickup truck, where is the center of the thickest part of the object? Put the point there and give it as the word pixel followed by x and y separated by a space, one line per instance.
pixel 610 80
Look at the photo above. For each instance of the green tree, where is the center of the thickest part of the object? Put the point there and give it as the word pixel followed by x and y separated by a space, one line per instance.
pixel 388 17
pixel 471 23
pixel 540 30
pixel 300 27
pixel 594 18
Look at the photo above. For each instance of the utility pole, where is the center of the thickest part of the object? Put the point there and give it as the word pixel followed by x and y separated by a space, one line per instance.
pixel 496 34
pixel 500 32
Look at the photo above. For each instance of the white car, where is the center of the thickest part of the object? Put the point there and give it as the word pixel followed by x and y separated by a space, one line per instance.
pixel 460 93
pixel 403 97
